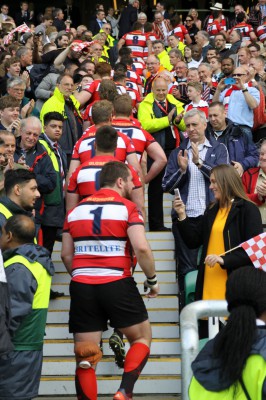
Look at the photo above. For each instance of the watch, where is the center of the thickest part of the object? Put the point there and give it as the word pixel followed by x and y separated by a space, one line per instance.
pixel 244 90
pixel 200 162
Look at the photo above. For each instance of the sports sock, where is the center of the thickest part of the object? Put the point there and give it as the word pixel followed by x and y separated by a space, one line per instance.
pixel 86 384
pixel 135 361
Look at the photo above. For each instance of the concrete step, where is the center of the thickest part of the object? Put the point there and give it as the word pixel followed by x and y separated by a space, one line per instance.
pixel 155 315
pixel 162 347
pixel 165 288
pixel 159 330
pixel 66 366
pixel 63 303
pixel 156 384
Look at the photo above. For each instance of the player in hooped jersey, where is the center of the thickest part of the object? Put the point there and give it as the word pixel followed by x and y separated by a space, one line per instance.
pixel 97 238
pixel 136 40
pixel 142 140
pixel 84 148
pixel 85 179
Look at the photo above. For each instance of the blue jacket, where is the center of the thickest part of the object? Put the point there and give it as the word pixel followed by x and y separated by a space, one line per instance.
pixel 239 147
pixel 174 178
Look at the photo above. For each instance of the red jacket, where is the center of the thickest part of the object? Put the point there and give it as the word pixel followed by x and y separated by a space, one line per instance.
pixel 249 180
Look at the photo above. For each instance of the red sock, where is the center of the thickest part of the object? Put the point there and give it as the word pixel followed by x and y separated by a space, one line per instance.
pixel 86 384
pixel 135 361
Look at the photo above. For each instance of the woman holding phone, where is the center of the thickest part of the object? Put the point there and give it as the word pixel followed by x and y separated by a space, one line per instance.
pixel 230 220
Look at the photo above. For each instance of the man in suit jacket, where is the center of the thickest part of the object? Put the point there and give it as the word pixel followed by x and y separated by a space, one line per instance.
pixel 96 24
pixel 128 17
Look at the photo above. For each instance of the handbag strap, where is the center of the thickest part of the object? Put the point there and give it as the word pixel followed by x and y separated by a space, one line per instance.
pixel 244 388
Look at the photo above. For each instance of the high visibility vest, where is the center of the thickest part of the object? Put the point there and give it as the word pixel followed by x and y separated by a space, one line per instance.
pixel 30 333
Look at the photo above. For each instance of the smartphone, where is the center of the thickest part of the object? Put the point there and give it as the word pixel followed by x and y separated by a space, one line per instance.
pixel 177 193
pixel 229 81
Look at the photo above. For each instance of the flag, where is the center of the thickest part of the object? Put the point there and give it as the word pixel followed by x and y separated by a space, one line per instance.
pixel 80 46
pixel 21 28
pixel 256 250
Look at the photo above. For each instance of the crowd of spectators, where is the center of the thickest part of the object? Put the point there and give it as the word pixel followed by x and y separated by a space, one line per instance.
pixel 184 94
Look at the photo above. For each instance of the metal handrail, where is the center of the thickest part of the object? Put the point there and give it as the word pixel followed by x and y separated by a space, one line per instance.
pixel 190 334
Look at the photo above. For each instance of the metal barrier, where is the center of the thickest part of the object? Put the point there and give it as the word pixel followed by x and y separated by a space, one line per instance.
pixel 190 335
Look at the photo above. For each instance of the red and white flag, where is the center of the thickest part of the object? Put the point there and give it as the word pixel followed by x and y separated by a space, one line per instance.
pixel 21 28
pixel 80 46
pixel 256 250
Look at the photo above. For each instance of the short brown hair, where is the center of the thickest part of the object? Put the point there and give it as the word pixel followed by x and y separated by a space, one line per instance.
pixel 101 111
pixel 8 101
pixel 123 105
pixel 196 85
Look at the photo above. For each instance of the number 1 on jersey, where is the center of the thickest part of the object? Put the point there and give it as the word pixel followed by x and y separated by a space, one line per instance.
pixel 97 213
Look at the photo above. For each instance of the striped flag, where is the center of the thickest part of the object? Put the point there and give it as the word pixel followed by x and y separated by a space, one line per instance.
pixel 21 29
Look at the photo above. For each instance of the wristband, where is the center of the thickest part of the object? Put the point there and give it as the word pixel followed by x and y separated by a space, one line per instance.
pixel 150 283
pixel 244 90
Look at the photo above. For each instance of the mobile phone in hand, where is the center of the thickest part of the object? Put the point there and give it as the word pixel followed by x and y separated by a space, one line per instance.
pixel 177 194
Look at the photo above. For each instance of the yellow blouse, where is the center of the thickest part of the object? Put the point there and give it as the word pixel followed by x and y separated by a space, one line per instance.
pixel 215 277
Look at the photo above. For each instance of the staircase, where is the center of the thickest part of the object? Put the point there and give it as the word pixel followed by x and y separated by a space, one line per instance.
pixel 161 374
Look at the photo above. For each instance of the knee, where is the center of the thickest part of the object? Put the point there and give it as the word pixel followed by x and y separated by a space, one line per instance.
pixel 87 354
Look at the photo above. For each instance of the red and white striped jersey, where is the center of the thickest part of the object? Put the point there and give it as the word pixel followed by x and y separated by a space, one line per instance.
pixel 98 226
pixel 85 180
pixel 151 36
pixel 93 89
pixel 214 28
pixel 140 138
pixel 84 148
pixel 201 106
pixel 134 77
pixel 138 67
pixel 136 41
pixel 179 31
pixel 261 32
pixel 222 24
pixel 244 28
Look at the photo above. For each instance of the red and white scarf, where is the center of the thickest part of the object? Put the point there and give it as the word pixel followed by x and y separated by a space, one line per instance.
pixel 228 94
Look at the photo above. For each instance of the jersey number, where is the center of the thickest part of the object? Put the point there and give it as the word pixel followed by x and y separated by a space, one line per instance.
pixel 97 213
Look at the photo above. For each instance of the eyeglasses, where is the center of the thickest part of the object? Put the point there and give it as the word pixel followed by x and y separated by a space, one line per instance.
pixel 188 20
pixel 239 75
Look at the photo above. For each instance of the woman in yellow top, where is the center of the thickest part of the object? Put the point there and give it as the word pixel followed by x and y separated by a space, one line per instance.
pixel 230 220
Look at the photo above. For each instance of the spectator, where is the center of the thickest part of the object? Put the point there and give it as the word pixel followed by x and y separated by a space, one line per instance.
pixel 12 69
pixel 16 88
pixel 258 64
pixel 254 49
pixel 239 100
pixel 238 9
pixel 129 15
pixel 220 42
pixel 153 68
pixel 113 21
pixel 243 56
pixel 31 154
pixel 54 209
pixel 238 350
pixel 235 38
pixel 118 184
pixel 208 83
pixel 254 182
pixel 161 115
pixel 212 53
pixel 243 153
pixel 66 104
pixel 246 30
pixel 224 23
pixel 175 56
pixel 175 44
pixel 29 271
pixel 194 92
pixel 196 57
pixel 261 30
pixel 160 7
pixel 193 13
pixel 161 26
pixel 96 24
pixel 47 21
pixel 21 194
pixel 227 67
pixel 242 219
pixel 4 13
pixel 9 114
pixel 203 40
pixel 179 88
pixel 191 28
pixel 4 165
pixel 62 40
pixel 161 53
pixel 24 15
pixel 58 17
pixel 180 30
pixel 215 64
pixel 257 13
pixel 188 169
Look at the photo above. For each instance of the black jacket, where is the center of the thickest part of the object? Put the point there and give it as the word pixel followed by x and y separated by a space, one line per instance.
pixel 128 17
pixel 243 223
pixel 39 162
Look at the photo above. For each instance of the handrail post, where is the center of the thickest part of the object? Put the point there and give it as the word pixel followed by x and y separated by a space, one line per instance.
pixel 190 335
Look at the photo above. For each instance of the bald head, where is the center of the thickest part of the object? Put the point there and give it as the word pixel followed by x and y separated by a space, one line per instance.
pixel 160 89
pixel 19 229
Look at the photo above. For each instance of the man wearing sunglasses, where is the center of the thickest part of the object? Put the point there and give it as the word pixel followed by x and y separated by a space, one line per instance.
pixel 239 99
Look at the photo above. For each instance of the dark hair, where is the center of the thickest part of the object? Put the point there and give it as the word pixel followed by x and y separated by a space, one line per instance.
pixel 124 51
pixel 17 177
pixel 137 26
pixel 106 139
pixel 22 228
pixel 246 297
pixel 148 27
pixel 240 17
pixel 111 171
pixel 256 45
pixel 119 76
pixel 121 67
pixel 2 143
pixel 53 115
pixel 228 58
